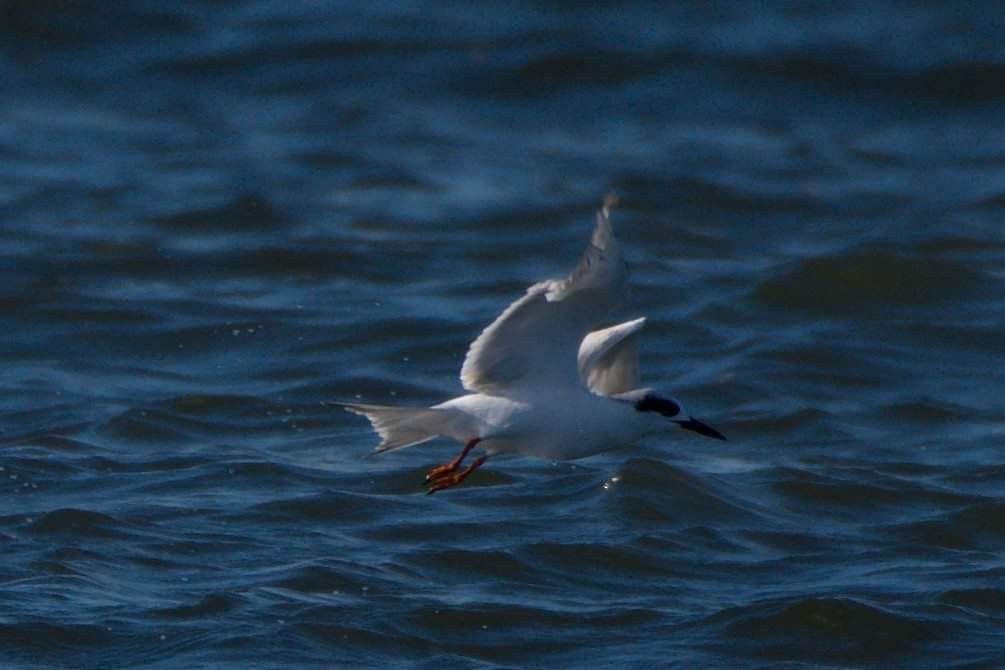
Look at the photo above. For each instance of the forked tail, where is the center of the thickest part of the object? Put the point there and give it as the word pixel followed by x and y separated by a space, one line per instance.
pixel 401 427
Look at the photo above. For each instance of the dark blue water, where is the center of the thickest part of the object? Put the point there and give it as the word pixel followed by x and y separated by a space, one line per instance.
pixel 216 217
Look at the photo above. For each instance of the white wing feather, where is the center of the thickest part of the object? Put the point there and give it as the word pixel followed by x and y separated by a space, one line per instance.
pixel 535 340
pixel 609 358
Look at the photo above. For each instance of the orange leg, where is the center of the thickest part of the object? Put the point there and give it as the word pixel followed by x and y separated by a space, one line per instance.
pixel 448 479
pixel 447 468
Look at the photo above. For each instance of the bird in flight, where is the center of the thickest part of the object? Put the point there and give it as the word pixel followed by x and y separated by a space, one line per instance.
pixel 542 381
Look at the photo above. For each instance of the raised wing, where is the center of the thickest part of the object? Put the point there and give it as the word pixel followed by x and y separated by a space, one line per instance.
pixel 533 343
pixel 609 358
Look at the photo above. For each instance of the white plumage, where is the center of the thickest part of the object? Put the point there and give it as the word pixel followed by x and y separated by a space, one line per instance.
pixel 543 382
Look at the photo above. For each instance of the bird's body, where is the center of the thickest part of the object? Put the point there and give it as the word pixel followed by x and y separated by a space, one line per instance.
pixel 562 425
pixel 543 381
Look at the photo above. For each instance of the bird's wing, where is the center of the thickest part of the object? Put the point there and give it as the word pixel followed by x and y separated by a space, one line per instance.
pixel 609 358
pixel 533 343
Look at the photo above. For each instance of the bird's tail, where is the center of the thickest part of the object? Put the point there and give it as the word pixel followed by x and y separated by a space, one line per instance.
pixel 401 427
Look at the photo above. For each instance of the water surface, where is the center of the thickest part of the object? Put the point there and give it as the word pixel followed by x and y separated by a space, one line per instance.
pixel 217 217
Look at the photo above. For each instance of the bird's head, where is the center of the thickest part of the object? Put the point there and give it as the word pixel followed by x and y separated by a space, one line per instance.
pixel 652 403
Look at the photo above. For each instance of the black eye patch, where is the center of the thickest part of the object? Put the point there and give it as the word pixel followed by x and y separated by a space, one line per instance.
pixel 654 403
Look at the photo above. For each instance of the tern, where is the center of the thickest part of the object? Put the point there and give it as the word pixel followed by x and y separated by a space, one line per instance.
pixel 542 381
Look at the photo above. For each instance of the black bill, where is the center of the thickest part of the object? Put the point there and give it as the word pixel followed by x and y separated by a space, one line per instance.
pixel 701 428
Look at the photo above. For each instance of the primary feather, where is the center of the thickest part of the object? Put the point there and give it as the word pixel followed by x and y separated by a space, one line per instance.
pixel 534 342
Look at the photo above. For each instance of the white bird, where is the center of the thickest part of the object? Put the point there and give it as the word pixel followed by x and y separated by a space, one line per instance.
pixel 542 382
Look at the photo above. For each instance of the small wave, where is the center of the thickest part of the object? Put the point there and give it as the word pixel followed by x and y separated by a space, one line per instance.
pixel 325 579
pixel 169 464
pixel 985 600
pixel 483 630
pixel 851 496
pixel 827 629
pixel 94 312
pixel 452 564
pixel 320 582
pixel 212 604
pixel 250 213
pixel 596 562
pixel 78 522
pixel 789 542
pixel 976 527
pixel 84 24
pixel 650 490
pixel 845 70
pixel 343 506
pixel 51 642
pixel 356 644
pixel 60 443
pixel 926 411
pixel 320 260
pixel 248 475
pixel 145 426
pixel 510 617
pixel 849 282
pixel 795 422
pixel 548 73
pixel 956 82
pixel 180 419
pixel 704 194
pixel 213 405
